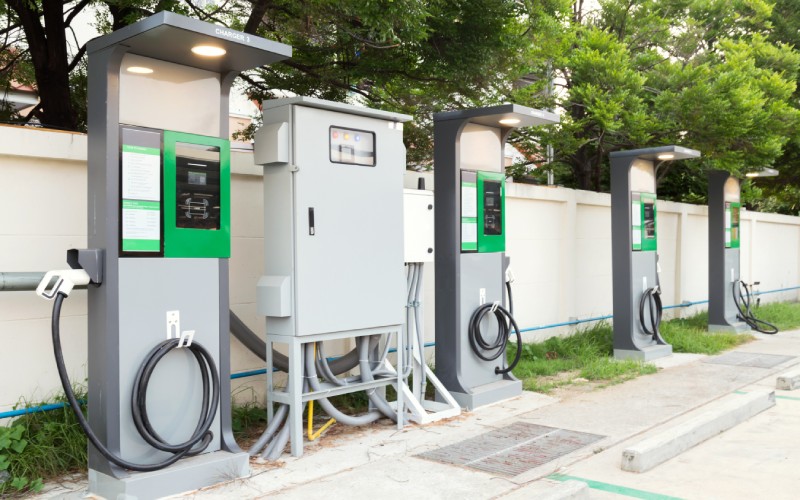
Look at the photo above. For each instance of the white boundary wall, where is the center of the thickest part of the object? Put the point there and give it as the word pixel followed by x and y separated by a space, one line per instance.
pixel 559 242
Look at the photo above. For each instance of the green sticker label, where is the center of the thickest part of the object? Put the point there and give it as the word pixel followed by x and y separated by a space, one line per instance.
pixel 130 148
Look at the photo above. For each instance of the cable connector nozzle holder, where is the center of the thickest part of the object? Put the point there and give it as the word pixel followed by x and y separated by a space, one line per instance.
pixel 88 259
pixel 65 281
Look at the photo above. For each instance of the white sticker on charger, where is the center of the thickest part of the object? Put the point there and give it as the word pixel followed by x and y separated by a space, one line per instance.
pixel 469 200
pixel 469 232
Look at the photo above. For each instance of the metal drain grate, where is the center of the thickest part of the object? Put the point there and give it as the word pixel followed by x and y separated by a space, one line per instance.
pixel 512 450
pixel 751 359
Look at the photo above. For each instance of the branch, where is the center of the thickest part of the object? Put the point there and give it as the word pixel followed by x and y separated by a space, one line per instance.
pixel 10 28
pixel 256 16
pixel 75 11
pixel 11 63
pixel 76 59
pixel 336 83
pixel 208 15
pixel 36 109
pixel 366 41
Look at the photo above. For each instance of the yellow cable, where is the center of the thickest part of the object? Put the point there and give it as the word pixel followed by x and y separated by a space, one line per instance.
pixel 311 434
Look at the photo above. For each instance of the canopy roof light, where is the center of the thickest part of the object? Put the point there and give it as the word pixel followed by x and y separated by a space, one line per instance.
pixel 208 50
pixel 142 70
pixel 763 172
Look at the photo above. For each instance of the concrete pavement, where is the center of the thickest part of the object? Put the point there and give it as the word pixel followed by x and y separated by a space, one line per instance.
pixel 756 459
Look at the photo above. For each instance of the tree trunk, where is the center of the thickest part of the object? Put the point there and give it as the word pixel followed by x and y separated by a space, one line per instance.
pixel 48 49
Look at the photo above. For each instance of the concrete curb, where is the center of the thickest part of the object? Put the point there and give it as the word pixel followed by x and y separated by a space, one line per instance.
pixel 718 418
pixel 788 382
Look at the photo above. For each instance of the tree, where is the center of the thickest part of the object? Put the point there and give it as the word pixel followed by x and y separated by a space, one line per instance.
pixel 641 73
pixel 45 28
pixel 782 194
pixel 412 56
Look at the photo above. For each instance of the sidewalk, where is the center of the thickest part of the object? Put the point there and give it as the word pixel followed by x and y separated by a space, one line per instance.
pixel 757 459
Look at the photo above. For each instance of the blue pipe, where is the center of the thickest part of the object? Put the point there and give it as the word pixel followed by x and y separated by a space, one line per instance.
pixel 262 371
pixel 778 290
pixel 36 409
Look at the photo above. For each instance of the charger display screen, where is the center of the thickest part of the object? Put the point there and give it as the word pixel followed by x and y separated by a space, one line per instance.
pixel 197 186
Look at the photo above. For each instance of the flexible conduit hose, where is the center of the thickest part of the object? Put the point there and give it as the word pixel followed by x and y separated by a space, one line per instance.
pixel 202 435
pixel 489 351
pixel 275 447
pixel 651 299
pixel 313 381
pixel 367 376
pixel 418 324
pixel 274 424
pixel 743 298
pixel 254 344
pixel 274 439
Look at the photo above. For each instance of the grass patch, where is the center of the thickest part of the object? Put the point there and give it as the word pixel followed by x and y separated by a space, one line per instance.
pixel 784 315
pixel 54 446
pixel 691 335
pixel 586 355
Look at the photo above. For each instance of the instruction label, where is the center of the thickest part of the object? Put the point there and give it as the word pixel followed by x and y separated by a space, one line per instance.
pixel 141 199
pixel 469 199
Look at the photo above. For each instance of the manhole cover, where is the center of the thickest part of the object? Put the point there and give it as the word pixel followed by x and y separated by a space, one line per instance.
pixel 751 359
pixel 512 450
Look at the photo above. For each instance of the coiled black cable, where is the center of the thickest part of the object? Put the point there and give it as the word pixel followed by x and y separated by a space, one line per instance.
pixel 489 351
pixel 202 435
pixel 743 298
pixel 652 299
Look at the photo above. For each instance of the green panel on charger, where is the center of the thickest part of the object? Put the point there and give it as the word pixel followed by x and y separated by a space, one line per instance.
pixel 197 195
pixel 491 212
pixel 649 222
pixel 733 213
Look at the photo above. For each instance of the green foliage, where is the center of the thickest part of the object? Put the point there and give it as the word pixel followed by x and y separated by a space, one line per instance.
pixel 245 417
pixel 699 73
pixel 784 315
pixel 49 444
pixel 691 335
pixel 587 354
pixel 412 56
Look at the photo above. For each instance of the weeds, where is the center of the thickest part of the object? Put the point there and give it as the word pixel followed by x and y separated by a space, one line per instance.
pixel 560 361
pixel 691 335
pixel 54 445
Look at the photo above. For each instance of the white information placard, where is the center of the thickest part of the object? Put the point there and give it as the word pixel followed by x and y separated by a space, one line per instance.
pixel 469 199
pixel 141 169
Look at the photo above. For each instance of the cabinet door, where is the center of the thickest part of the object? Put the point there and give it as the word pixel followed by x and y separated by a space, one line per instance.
pixel 348 224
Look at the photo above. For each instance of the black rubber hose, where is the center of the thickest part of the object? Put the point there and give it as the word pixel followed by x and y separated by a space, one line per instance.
pixel 510 298
pixel 742 298
pixel 254 344
pixel 202 435
pixel 139 397
pixel 489 351
pixel 651 299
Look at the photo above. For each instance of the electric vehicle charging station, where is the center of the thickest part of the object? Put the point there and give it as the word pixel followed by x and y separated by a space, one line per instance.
pixel 634 234
pixel 724 207
pixel 334 269
pixel 729 298
pixel 159 239
pixel 471 265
